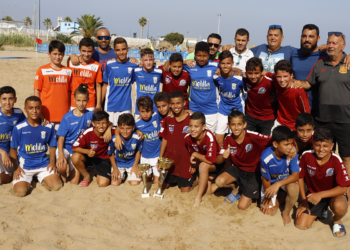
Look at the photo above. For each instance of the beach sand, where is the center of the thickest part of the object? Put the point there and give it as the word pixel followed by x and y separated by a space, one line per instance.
pixel 118 218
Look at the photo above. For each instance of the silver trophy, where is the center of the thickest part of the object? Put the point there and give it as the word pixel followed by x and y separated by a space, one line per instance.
pixel 143 168
pixel 164 164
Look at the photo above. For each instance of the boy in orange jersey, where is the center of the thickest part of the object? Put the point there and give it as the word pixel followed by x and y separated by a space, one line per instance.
pixel 53 85
pixel 88 72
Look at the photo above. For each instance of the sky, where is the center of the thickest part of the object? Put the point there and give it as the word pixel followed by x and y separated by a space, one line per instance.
pixel 196 18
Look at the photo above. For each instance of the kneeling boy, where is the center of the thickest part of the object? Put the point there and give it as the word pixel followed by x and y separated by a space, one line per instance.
pixel 327 180
pixel 90 149
pixel 125 161
pixel 32 140
pixel 279 173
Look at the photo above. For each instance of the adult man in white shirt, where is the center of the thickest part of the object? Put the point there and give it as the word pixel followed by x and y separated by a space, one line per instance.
pixel 241 54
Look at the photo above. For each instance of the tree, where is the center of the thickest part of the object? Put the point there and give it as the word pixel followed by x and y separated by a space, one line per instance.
pixel 174 38
pixel 142 22
pixel 88 26
pixel 27 21
pixel 47 22
pixel 67 19
pixel 8 18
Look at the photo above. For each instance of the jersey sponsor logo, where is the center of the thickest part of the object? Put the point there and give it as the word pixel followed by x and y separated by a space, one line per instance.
pixel 329 172
pixel 182 83
pixel 129 70
pixel 43 134
pixel 27 132
pixel 121 81
pixel 145 88
pixel 167 79
pixel 133 146
pixel 228 95
pixel 73 123
pixel 248 148
pixel 261 90
pixel 234 86
pixel 193 69
pixel 311 172
pixel 186 130
pixel 155 124
pixel 115 67
pixel 209 73
pixel 82 73
pixel 59 79
pixel 343 70
pixel 201 84
pixel 263 170
pixel 36 148
pixel 151 136
pixel 125 155
pixel 93 145
pixel 5 137
pixel 323 70
pixel 171 128
pixel 155 79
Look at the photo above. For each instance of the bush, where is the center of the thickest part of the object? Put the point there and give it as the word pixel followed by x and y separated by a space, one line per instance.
pixel 16 39
pixel 64 38
pixel 174 38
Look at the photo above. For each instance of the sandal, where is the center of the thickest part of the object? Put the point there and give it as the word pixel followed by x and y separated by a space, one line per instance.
pixel 231 198
pixel 338 228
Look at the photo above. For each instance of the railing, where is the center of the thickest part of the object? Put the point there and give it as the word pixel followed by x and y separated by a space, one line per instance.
pixel 70 49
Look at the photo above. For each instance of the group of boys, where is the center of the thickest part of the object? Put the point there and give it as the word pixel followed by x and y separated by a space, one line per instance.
pixel 189 129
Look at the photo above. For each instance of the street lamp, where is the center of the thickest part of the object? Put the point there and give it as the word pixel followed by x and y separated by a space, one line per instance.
pixel 219 15
pixel 148 29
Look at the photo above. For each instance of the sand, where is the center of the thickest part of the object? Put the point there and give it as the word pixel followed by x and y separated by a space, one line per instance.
pixel 118 218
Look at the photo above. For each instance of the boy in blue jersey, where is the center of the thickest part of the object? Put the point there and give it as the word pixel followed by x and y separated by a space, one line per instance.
pixel 117 81
pixel 126 160
pixel 149 125
pixel 31 141
pixel 9 117
pixel 279 175
pixel 231 94
pixel 204 93
pixel 147 78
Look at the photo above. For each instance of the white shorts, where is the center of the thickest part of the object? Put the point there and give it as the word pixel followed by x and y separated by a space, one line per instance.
pixel 124 171
pixel 114 116
pixel 153 168
pixel 92 109
pixel 276 124
pixel 3 169
pixel 262 194
pixel 221 125
pixel 68 157
pixel 210 121
pixel 40 173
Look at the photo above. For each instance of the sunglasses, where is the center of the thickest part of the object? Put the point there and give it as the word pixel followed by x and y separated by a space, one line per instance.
pixel 335 33
pixel 105 37
pixel 274 26
pixel 214 44
pixel 239 60
pixel 268 57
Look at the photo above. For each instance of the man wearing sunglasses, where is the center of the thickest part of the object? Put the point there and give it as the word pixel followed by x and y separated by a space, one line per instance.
pixel 214 41
pixel 272 52
pixel 241 54
pixel 333 78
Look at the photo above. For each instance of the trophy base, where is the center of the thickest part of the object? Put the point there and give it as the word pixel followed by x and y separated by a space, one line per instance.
pixel 145 195
pixel 161 196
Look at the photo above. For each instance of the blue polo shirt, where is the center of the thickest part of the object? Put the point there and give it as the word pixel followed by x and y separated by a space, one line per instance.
pixel 102 58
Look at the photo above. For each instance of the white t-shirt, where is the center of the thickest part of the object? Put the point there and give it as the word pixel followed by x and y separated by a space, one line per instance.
pixel 240 60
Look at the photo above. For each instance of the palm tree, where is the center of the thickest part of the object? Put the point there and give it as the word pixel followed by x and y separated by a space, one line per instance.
pixel 67 19
pixel 142 22
pixel 27 21
pixel 88 26
pixel 47 22
pixel 8 18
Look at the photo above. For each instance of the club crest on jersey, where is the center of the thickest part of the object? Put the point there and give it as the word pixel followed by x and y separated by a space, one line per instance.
pixel 167 80
pixel 209 73
pixel 88 123
pixel 195 148
pixel 94 67
pixel 248 148
pixel 263 170
pixel 182 83
pixel 205 147
pixel 329 172
pixel 186 130
pixel 261 90
pixel 155 124
pixel 155 79
pixel 311 172
pixel 94 145
pixel 14 122
pixel 171 128
pixel 234 86
pixel 133 146
pixel 43 134
pixel 129 70
pixel 343 70
pixel 233 150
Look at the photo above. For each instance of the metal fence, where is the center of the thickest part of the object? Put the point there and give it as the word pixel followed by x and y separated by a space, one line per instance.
pixel 158 55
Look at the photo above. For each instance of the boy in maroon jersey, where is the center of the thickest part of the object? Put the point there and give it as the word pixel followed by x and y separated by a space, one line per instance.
pixel 260 114
pixel 291 101
pixel 304 128
pixel 91 149
pixel 244 149
pixel 327 180
pixel 203 148
pixel 173 145
pixel 176 79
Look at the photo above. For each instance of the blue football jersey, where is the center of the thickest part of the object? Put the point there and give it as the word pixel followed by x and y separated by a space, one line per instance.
pixel 7 123
pixel 277 169
pixel 32 144
pixel 147 84
pixel 231 93
pixel 204 92
pixel 72 126
pixel 150 130
pixel 119 78
pixel 125 158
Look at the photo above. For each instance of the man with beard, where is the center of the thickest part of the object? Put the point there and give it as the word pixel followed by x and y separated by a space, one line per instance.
pixel 214 41
pixel 241 54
